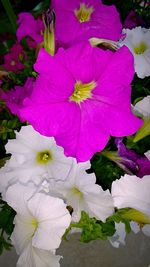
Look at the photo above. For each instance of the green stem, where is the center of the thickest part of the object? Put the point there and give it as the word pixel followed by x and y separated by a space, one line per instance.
pixel 10 13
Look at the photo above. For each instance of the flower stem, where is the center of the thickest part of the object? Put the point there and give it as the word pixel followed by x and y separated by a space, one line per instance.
pixel 10 13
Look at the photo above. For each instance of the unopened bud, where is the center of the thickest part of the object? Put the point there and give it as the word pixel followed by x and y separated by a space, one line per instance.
pixel 49 36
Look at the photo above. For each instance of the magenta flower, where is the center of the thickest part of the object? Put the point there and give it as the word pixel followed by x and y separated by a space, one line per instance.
pixel 31 27
pixel 79 20
pixel 81 97
pixel 13 61
pixel 14 98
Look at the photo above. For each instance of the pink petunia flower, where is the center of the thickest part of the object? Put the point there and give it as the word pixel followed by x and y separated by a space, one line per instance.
pixel 81 97
pixel 13 61
pixel 79 20
pixel 31 27
pixel 14 98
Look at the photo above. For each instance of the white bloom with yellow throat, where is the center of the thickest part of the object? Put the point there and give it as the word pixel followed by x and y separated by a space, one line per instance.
pixel 40 223
pixel 138 41
pixel 34 157
pixel 81 192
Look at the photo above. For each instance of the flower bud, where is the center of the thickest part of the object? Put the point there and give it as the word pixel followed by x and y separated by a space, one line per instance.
pixel 49 36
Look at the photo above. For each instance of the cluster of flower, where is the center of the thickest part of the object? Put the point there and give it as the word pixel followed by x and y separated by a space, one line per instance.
pixel 80 98
pixel 42 185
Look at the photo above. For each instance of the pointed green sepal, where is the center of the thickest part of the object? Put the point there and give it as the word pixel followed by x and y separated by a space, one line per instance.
pixel 143 131
pixel 137 216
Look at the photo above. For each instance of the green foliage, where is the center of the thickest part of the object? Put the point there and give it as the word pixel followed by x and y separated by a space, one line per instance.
pixel 4 244
pixel 92 229
pixel 140 147
pixel 140 88
pixel 6 225
pixel 8 127
pixel 10 13
pixel 118 217
pixel 41 7
pixel 106 171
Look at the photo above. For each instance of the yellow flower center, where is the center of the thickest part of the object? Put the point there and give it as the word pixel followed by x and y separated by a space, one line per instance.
pixel 77 192
pixel 43 157
pixel 140 49
pixel 83 14
pixel 82 91
pixel 35 223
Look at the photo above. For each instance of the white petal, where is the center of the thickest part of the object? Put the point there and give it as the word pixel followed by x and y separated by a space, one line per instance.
pixel 22 233
pixel 33 257
pixel 99 205
pixel 119 236
pixel 17 196
pixel 146 229
pixel 133 192
pixel 82 194
pixel 143 106
pixel 53 220
pixel 134 227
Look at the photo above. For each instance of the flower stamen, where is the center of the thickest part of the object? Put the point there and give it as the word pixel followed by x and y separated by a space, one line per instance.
pixel 140 48
pixel 43 157
pixel 35 223
pixel 77 192
pixel 82 91
pixel 83 14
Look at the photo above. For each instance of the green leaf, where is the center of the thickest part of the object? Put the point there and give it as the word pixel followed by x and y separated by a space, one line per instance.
pixel 92 229
pixel 106 171
pixel 6 218
pixel 4 244
pixel 118 217
pixel 3 161
pixel 10 13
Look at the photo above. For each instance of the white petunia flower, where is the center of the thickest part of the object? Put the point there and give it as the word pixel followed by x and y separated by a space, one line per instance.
pixel 34 157
pixel 138 41
pixel 133 192
pixel 82 194
pixel 41 219
pixel 143 107
pixel 119 236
